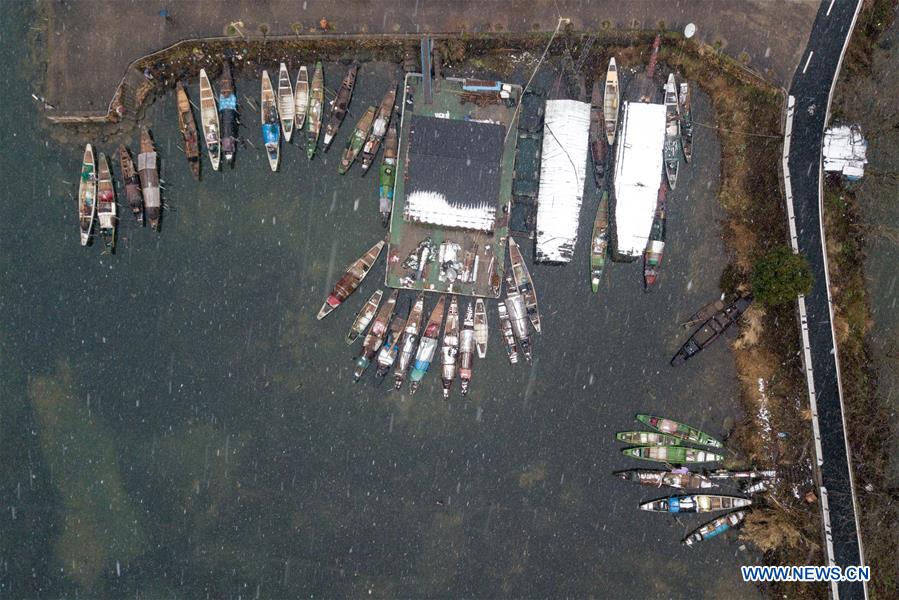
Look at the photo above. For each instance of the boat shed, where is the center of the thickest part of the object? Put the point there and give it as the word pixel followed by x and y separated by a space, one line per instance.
pixel 563 168
pixel 638 174
pixel 845 151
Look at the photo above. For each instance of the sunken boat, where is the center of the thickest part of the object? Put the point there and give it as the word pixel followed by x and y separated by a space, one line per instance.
pixel 340 105
pixel 131 181
pixel 518 318
pixel 715 527
pixel 409 343
pixel 229 119
pixel 209 120
pixel 379 128
pixel 712 329
pixel 87 194
pixel 356 140
pixel 350 280
pixel 364 316
pixel 610 100
pixel 597 136
pixel 647 438
pixel 188 127
pixel 600 242
pixel 387 175
pixel 678 478
pixel 695 503
pixel 655 247
pixel 316 109
pixel 106 206
pixel 374 339
pixel 386 356
pixel 524 284
pixel 679 430
pixel 450 349
pixel 147 168
pixel 685 98
pixel 675 455
pixel 506 332
pixel 427 347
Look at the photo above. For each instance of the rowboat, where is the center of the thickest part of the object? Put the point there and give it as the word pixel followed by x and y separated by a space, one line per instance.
pixel 271 132
pixel 655 246
pixel 680 478
pixel 147 162
pixel 647 438
pixel 188 127
pixel 364 316
pixel 466 349
pixel 712 329
pixel 287 106
pixel 698 503
pixel 316 108
pixel 610 101
pixel 518 318
pixel 507 334
pixel 679 430
pixel 132 184
pixel 600 242
pixel 106 208
pixel 375 336
pixel 228 113
pixel 390 348
pixel 387 175
pixel 356 140
pixel 705 313
pixel 686 120
pixel 597 135
pixel 715 527
pixel 209 118
pixel 672 149
pixel 87 195
pixel 427 347
pixel 524 284
pixel 350 280
pixel 480 327
pixel 379 128
pixel 672 454
pixel 340 105
pixel 301 95
pixel 409 343
pixel 450 348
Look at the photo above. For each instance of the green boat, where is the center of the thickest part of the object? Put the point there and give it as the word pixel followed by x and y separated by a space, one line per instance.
pixel 672 454
pixel 600 242
pixel 357 140
pixel 314 111
pixel 647 438
pixel 679 430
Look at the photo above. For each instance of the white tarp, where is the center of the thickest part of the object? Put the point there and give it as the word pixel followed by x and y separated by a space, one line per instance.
pixel 433 208
pixel 845 150
pixel 638 173
pixel 562 170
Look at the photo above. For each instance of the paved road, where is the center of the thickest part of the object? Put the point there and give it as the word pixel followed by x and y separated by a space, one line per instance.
pixel 811 89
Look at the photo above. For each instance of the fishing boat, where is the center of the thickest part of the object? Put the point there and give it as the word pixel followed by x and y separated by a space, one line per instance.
pixel 375 336
pixel 350 280
pixel 712 329
pixel 316 109
pixel 228 113
pixel 106 207
pixel 188 127
pixel 340 105
pixel 209 118
pixel 715 527
pixel 356 140
pixel 301 96
pixel 518 318
pixel 450 348
pixel 287 105
pixel 524 284
pixel 480 327
pixel 427 347
pixel 364 316
pixel 672 149
pixel 686 120
pixel 147 168
pixel 409 343
pixel 647 438
pixel 655 246
pixel 705 313
pixel 466 349
pixel 597 136
pixel 695 503
pixel 131 182
pixel 678 478
pixel 386 356
pixel 675 455
pixel 679 430
pixel 610 101
pixel 378 128
pixel 600 242
pixel 271 131
pixel 387 175
pixel 507 334
pixel 87 195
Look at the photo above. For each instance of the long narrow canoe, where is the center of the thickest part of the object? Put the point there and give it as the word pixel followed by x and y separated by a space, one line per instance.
pixel 374 339
pixel 316 108
pixel 87 194
pixel 356 140
pixel 350 280
pixel 147 168
pixel 672 148
pixel 715 527
pixel 209 118
pixel 466 349
pixel 506 332
pixel 387 175
pixel 524 284
pixel 341 105
pixel 611 98
pixel 188 127
pixel 287 106
pixel 679 430
pixel 409 343
pixel 427 347
pixel 379 128
pixel 600 242
pixel 228 113
pixel 271 131
pixel 450 349
pixel 301 95
pixel 681 479
pixel 131 182
pixel 480 327
pixel 106 208
pixel 364 316
pixel 597 135
pixel 685 99
pixel 698 503
pixel 647 438
pixel 675 455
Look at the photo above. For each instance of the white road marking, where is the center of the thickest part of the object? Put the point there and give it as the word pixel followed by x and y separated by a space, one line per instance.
pixel 829 7
pixel 808 60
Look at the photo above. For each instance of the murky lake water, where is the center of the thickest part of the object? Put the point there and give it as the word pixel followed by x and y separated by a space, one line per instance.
pixel 176 422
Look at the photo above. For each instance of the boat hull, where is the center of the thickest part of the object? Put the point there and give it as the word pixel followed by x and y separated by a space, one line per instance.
pixel 209 119
pixel 675 455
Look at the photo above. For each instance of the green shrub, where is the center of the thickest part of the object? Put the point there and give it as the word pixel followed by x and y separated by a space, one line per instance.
pixel 780 276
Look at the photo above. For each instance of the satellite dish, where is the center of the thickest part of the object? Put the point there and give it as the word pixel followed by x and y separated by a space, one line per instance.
pixel 689 30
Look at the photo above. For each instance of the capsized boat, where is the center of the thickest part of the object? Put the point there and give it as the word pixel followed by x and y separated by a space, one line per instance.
pixel 375 336
pixel 147 168
pixel 106 208
pixel 378 128
pixel 600 241
pixel 386 356
pixel 450 349
pixel 679 430
pixel 188 127
pixel 672 148
pixel 87 194
pixel 524 284
pixel 698 503
pixel 350 280
pixel 466 349
pixel 271 131
pixel 228 116
pixel 678 478
pixel 507 334
pixel 301 96
pixel 675 455
pixel 610 101
pixel 597 136
pixel 287 106
pixel 480 327
pixel 356 140
pixel 712 329
pixel 387 175
pixel 131 182
pixel 209 118
pixel 340 105
pixel 715 527
pixel 364 316
pixel 409 343
pixel 647 438
pixel 686 120
pixel 316 109
pixel 518 318
pixel 655 245
pixel 427 347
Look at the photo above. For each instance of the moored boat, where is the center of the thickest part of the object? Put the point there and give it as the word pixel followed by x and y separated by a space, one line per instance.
pixel 287 106
pixel 481 330
pixel 87 194
pixel 647 438
pixel 672 148
pixel 409 343
pixel 147 168
pixel 600 242
pixel 695 503
pixel 705 313
pixel 340 105
pixel 678 478
pixel 524 284
pixel 378 128
pixel 518 318
pixel 675 455
pixel 450 349
pixel 597 135
pixel 466 349
pixel 712 329
pixel 316 109
pixel 209 118
pixel 715 527
pixel 131 182
pixel 375 336
pixel 655 246
pixel 427 347
pixel 188 127
pixel 364 316
pixel 228 113
pixel 507 334
pixel 387 175
pixel 679 430
pixel 686 120
pixel 106 207
pixel 386 356
pixel 301 96
pixel 271 130
pixel 350 280
pixel 356 140
pixel 610 101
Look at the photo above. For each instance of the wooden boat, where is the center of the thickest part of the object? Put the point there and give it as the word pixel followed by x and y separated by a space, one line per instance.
pixel 271 131
pixel 188 127
pixel 209 119
pixel 507 334
pixel 518 318
pixel 316 109
pixel 610 101
pixel 356 140
pixel 106 207
pixel 350 280
pixel 679 430
pixel 680 478
pixel 600 242
pixel 675 455
pixel 711 330
pixel 698 503
pixel 87 195
pixel 715 527
pixel 481 330
pixel 387 175
pixel 147 168
pixel 450 348
pixel 301 96
pixel 390 349
pixel 672 148
pixel 131 181
pixel 228 113
pixel 379 128
pixel 427 347
pixel 655 246
pixel 466 349
pixel 364 316
pixel 686 120
pixel 647 438
pixel 705 313
pixel 375 336
pixel 409 343
pixel 597 136
pixel 287 105
pixel 524 284
pixel 340 105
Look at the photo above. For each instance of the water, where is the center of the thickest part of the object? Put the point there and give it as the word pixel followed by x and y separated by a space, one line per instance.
pixel 176 422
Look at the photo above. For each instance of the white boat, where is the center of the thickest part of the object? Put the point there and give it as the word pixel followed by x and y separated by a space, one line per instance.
pixel 480 327
pixel 301 96
pixel 286 103
pixel 610 101
pixel 209 118
pixel 672 132
pixel 87 195
pixel 271 130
